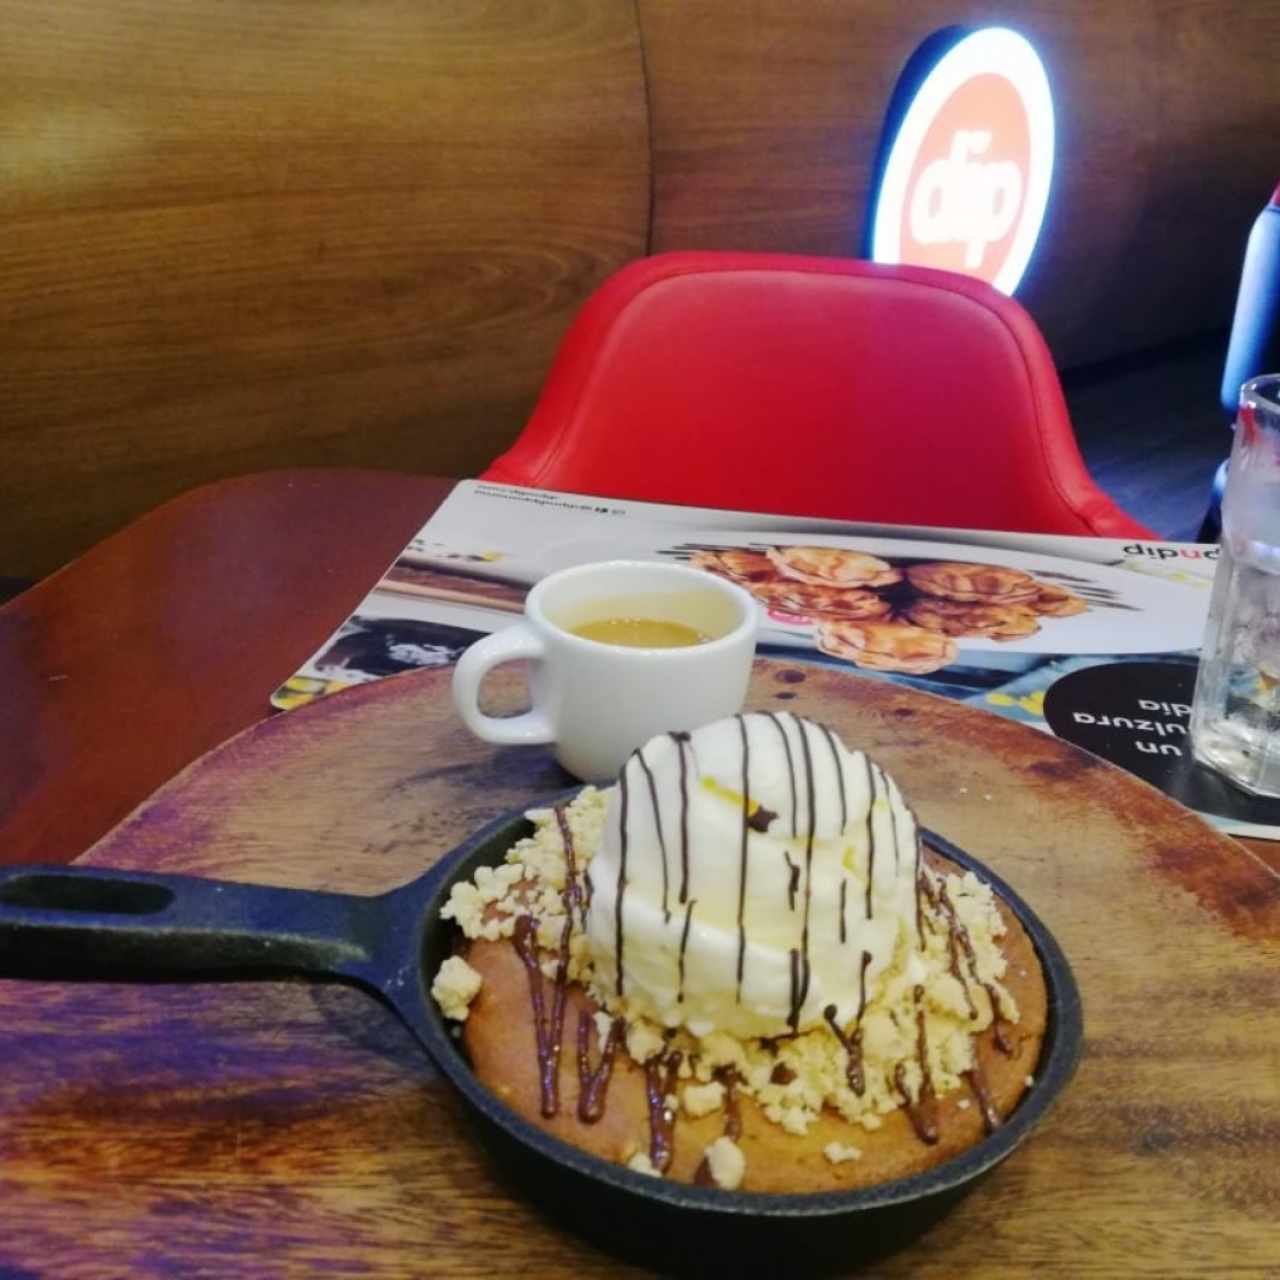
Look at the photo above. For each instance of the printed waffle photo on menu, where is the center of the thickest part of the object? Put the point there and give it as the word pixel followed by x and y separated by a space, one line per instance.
pixel 1093 639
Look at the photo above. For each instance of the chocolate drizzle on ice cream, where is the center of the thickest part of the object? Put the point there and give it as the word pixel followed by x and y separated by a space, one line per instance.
pixel 680 739
pixel 805 928
pixel 824 867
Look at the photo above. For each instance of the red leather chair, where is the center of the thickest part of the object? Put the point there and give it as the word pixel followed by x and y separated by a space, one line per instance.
pixel 812 386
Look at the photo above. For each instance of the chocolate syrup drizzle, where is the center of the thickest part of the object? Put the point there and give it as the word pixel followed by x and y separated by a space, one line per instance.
pixel 573 892
pixel 923 1109
pixel 593 1083
pixel 793 882
pixel 978 1083
pixel 662 842
pixel 800 989
pixel 548 1033
pixel 1002 1027
pixel 728 1077
pixel 732 1113
pixel 549 1027
pixel 681 740
pixel 661 1072
pixel 684 947
pixel 871 832
pixel 851 1041
pixel 742 865
pixel 623 802
pixel 922 887
pixel 958 940
pixel 953 955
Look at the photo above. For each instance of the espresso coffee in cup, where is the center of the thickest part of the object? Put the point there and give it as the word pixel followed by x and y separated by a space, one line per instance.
pixel 620 651
pixel 641 632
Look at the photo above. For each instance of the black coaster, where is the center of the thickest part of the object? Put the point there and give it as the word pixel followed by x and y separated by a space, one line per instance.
pixel 1137 715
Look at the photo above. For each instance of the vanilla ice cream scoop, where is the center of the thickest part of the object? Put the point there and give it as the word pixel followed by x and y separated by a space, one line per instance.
pixel 752 874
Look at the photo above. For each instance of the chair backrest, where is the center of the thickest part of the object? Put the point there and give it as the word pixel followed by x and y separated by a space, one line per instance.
pixel 812 386
pixel 1254 346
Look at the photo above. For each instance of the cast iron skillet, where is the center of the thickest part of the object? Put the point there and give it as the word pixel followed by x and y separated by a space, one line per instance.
pixel 78 923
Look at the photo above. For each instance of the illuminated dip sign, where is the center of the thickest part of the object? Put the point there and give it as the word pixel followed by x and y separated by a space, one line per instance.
pixel 966 158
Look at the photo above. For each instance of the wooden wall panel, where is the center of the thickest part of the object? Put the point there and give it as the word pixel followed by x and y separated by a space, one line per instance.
pixel 767 113
pixel 269 232
pixel 264 232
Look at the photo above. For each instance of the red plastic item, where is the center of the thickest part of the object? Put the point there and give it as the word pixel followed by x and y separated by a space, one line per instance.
pixel 812 386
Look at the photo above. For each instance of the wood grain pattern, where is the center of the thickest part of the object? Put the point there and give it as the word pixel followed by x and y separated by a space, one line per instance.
pixel 170 637
pixel 266 233
pixel 270 234
pixel 284 1128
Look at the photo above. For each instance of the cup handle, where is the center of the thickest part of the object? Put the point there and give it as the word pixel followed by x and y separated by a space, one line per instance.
pixel 507 645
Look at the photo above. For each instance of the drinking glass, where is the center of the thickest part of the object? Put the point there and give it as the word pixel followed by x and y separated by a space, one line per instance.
pixel 1235 714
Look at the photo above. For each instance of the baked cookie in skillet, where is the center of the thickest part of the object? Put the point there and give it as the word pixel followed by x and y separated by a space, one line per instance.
pixel 745 964
pixel 499 1040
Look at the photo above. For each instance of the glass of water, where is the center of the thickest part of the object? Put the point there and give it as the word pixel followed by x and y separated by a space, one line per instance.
pixel 1235 715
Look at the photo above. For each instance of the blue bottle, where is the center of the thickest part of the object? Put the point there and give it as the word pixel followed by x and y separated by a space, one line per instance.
pixel 1254 346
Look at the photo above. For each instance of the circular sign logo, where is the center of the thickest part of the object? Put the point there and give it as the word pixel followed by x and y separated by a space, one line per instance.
pixel 966 181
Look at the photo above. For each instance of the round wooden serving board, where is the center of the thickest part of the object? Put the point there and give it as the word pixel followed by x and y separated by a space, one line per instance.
pixel 289 1128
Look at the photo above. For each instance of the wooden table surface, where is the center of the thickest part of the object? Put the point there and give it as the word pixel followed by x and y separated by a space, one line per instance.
pixel 169 637
pixel 286 1128
pixel 277 1129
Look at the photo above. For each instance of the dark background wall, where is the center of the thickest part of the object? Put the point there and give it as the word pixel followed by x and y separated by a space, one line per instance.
pixel 266 232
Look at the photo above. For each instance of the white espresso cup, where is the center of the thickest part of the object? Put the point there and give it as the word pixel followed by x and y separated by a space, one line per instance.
pixel 597 701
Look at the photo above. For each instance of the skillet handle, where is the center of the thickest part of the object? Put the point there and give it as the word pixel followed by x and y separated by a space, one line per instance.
pixel 89 923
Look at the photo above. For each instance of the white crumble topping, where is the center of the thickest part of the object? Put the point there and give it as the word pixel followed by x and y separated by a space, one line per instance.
pixel 454 988
pixel 550 928
pixel 640 1163
pixel 703 1099
pixel 839 1152
pixel 793 1080
pixel 721 1050
pixel 726 1163
pixel 604 1024
pixel 465 907
pixel 644 1041
pixel 797 1120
